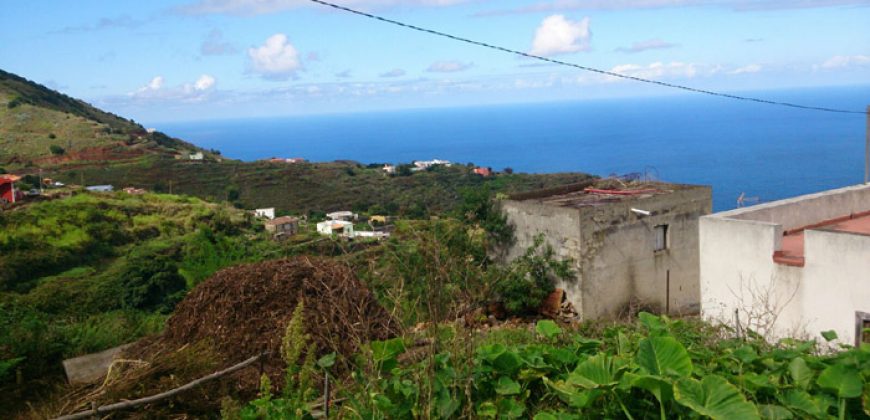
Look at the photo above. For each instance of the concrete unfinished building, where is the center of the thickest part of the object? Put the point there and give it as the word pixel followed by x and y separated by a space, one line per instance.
pixel 791 268
pixel 629 243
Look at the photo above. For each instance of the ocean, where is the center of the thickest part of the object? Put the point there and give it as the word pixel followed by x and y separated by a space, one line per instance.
pixel 764 151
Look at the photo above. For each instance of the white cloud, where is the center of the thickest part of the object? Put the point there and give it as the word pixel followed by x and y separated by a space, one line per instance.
pixel 276 58
pixel 652 44
pixel 660 70
pixel 393 73
pixel 260 7
pixel 156 90
pixel 558 35
pixel 752 68
pixel 155 84
pixel 843 61
pixel 448 67
pixel 204 82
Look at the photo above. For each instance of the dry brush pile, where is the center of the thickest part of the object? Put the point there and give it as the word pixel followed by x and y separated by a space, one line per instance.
pixel 238 313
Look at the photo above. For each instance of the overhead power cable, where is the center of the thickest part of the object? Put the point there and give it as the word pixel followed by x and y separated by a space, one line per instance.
pixel 578 66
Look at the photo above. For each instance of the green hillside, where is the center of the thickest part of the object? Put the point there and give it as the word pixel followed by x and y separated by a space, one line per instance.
pixel 312 187
pixel 42 127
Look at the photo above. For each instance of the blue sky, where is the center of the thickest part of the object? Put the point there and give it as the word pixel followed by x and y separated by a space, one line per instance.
pixel 165 60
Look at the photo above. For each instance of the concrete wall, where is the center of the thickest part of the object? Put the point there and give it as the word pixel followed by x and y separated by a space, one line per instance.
pixel 807 209
pixel 613 249
pixel 738 272
pixel 559 227
pixel 836 281
pixel 91 367
pixel 618 258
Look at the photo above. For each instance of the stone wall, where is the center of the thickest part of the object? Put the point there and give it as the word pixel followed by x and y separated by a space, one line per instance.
pixel 612 249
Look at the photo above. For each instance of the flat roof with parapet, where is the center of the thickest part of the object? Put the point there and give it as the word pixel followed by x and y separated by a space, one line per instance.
pixel 600 193
pixel 792 252
pixel 845 210
pixel 281 220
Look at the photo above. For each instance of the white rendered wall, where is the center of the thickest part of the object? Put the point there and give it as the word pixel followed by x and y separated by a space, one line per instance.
pixel 738 270
pixel 836 281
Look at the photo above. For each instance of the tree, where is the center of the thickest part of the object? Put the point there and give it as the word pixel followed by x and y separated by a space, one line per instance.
pixel 508 170
pixel 56 150
pixel 478 208
pixel 404 170
pixel 152 282
pixel 233 193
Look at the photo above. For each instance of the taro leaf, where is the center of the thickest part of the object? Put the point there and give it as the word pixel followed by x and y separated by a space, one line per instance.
pixel 487 410
pixel 491 352
pixel 829 335
pixel 714 397
pixel 843 380
pixel 622 344
pixel 547 328
pixel 652 323
pixel 507 363
pixel 557 357
pixel 586 345
pixel 755 381
pixel 569 394
pixel 797 400
pixel 659 387
pixel 507 386
pixel 385 352
pixel 446 405
pixel 746 354
pixel 511 409
pixel 801 374
pixel 774 412
pixel 327 361
pixel 663 356
pixel 600 370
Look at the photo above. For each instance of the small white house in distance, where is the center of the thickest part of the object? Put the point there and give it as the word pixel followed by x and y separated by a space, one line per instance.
pixel 341 215
pixel 196 156
pixel 100 188
pixel 791 268
pixel 424 164
pixel 268 213
pixel 371 234
pixel 335 227
pixel 390 169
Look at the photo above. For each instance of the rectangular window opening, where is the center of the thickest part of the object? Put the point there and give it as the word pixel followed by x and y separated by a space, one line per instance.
pixel 661 238
pixel 862 328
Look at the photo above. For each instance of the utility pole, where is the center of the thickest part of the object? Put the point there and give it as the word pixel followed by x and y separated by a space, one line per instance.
pixel 867 151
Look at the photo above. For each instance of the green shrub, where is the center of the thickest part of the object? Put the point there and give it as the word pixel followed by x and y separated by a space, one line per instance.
pixel 524 284
pixel 152 282
pixel 56 150
pixel 653 368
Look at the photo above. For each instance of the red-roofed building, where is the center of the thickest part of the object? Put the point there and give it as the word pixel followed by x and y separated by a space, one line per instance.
pixel 8 194
pixel 484 172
